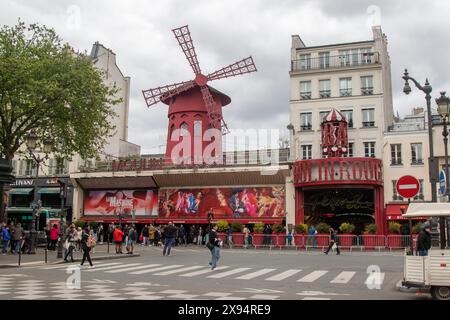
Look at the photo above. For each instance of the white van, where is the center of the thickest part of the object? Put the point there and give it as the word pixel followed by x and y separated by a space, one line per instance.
pixel 432 271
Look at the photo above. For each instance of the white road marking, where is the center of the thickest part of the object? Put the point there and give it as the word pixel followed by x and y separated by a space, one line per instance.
pixel 263 297
pixel 284 275
pixel 111 267
pixel 313 276
pixel 343 277
pixel 64 266
pixel 255 274
pixel 228 273
pixel 315 298
pixel 157 269
pixel 165 273
pixel 196 273
pixel 134 268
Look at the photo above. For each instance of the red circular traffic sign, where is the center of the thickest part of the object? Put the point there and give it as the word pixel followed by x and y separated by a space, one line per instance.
pixel 407 186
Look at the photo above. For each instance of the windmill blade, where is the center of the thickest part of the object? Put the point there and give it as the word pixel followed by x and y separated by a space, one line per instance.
pixel 241 67
pixel 153 96
pixel 185 41
pixel 214 111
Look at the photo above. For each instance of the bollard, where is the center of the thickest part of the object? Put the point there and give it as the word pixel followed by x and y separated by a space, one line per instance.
pixel 45 255
pixel 108 244
pixel 20 255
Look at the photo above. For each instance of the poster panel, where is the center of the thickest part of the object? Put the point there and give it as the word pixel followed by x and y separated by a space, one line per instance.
pixel 237 202
pixel 144 202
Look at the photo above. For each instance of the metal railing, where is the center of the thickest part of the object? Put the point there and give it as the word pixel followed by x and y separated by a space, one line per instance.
pixel 339 61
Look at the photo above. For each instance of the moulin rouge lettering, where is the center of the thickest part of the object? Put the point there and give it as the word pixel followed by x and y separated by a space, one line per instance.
pixel 114 202
pixel 350 202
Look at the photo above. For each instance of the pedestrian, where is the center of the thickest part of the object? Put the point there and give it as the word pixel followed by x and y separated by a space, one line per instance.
pixel 152 235
pixel 6 238
pixel 111 229
pixel 54 235
pixel 289 238
pixel 312 238
pixel 17 236
pixel 70 243
pixel 93 234
pixel 169 234
pixel 87 242
pixel 246 232
pixel 200 236
pixel 230 236
pixel 47 235
pixel 182 235
pixel 156 237
pixel 100 234
pixel 117 238
pixel 132 235
pixel 424 241
pixel 214 245
pixel 145 236
pixel 334 242
pixel 78 239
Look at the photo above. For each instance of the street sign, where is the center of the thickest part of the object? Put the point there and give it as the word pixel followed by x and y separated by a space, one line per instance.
pixel 407 186
pixel 442 182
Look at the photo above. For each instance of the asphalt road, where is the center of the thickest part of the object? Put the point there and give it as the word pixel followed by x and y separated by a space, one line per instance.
pixel 241 275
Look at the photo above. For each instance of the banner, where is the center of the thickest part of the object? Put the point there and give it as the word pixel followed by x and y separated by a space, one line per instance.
pixel 125 202
pixel 250 202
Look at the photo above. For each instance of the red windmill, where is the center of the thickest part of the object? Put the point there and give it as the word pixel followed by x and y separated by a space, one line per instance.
pixel 193 104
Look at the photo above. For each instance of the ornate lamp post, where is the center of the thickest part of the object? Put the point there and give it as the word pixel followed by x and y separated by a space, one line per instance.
pixel 432 164
pixel 443 103
pixel 32 145
pixel 62 195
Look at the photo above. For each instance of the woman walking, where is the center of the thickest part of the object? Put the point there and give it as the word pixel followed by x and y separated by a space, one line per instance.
pixel 85 246
pixel 334 242
pixel 118 237
pixel 214 245
pixel 54 235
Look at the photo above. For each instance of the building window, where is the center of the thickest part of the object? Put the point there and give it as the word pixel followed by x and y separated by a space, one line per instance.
pixel 416 153
pixel 349 153
pixel 305 121
pixel 368 116
pixel 396 154
pixel 345 87
pixel 322 115
pixel 30 167
pixel 355 56
pixel 61 166
pixel 184 129
pixel 367 85
pixel 348 114
pixel 369 149
pixel 197 128
pixel 305 90
pixel 305 61
pixel 420 195
pixel 395 195
pixel 306 152
pixel 324 88
pixel 324 60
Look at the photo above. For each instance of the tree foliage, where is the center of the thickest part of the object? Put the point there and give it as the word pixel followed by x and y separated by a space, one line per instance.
pixel 48 88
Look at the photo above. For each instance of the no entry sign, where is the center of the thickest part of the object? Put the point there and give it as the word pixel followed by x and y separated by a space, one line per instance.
pixel 407 186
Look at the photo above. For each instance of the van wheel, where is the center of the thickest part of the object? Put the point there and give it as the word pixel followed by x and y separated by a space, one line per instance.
pixel 440 293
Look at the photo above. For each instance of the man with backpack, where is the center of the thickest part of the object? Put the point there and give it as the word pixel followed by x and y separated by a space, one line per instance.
pixel 132 237
pixel 169 235
pixel 214 245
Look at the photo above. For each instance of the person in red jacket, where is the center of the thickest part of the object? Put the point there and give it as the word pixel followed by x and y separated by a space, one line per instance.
pixel 54 235
pixel 117 237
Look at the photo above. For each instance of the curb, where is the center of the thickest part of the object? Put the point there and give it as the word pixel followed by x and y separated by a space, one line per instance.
pixel 26 264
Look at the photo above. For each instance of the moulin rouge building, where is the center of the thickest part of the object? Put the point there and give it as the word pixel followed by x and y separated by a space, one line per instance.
pixel 340 107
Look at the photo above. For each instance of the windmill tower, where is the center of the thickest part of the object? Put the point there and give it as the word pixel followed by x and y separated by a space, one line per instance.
pixel 195 107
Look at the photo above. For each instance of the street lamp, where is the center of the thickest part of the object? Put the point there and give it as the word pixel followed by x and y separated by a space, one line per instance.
pixel 32 145
pixel 431 160
pixel 62 195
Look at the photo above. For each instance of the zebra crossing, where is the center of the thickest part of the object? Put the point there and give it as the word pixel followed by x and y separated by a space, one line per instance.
pixel 340 277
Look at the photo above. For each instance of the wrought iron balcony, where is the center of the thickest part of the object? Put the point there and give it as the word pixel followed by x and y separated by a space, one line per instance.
pixel 325 93
pixel 345 92
pixel 307 127
pixel 305 95
pixel 368 124
pixel 367 91
pixel 339 61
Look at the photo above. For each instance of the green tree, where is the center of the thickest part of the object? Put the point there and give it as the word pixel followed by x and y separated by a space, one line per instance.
pixel 47 88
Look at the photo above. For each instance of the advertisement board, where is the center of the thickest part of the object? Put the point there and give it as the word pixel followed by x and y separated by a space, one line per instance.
pixel 141 202
pixel 237 202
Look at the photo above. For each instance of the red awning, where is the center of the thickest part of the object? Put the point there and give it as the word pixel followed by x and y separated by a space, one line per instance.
pixel 394 212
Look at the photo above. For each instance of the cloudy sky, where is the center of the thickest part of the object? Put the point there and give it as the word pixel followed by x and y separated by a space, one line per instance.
pixel 226 31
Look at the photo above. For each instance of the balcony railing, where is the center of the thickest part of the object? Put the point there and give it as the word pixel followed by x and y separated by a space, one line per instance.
pixel 229 159
pixel 368 124
pixel 325 93
pixel 338 171
pixel 367 91
pixel 339 61
pixel 396 162
pixel 305 95
pixel 307 127
pixel 345 92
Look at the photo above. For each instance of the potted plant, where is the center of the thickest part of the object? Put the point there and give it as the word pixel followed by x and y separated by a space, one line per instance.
pixel 79 224
pixel 369 237
pixel 323 230
pixel 299 235
pixel 279 239
pixel 238 236
pixel 257 233
pixel 93 224
pixel 346 238
pixel 394 238
pixel 222 227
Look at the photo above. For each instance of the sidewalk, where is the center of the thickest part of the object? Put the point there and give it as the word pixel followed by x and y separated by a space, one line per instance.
pixel 101 253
